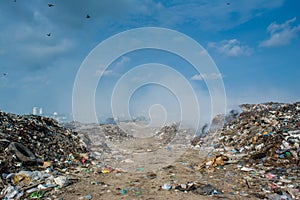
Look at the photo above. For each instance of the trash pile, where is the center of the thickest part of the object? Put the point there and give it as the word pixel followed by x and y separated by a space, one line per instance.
pixel 102 132
pixel 205 134
pixel 34 153
pixel 255 154
pixel 199 188
pixel 167 133
pixel 32 184
pixel 100 138
pixel 115 133
pixel 263 142
pixel 265 131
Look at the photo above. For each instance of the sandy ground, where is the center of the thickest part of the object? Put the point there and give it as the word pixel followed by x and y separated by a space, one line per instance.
pixel 148 165
pixel 147 185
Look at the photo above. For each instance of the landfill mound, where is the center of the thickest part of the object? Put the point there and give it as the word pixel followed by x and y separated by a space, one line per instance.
pixel 107 132
pixel 268 131
pixel 250 154
pixel 167 133
pixel 28 141
pixel 110 143
pixel 263 144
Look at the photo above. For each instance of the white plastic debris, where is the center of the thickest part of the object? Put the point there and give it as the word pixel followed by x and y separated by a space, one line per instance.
pixel 62 181
pixel 10 192
pixel 246 169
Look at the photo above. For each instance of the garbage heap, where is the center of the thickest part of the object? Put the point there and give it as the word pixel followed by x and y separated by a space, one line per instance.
pixel 114 133
pixel 31 142
pixel 264 143
pixel 167 133
pixel 267 133
pixel 99 137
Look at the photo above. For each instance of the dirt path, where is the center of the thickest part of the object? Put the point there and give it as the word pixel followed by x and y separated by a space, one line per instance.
pixel 147 164
pixel 140 184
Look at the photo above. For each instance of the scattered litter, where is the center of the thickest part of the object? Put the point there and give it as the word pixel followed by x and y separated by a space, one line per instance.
pixel 166 187
pixel 123 191
pixel 263 142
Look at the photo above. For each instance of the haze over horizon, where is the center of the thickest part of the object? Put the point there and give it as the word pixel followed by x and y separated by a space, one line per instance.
pixel 255 45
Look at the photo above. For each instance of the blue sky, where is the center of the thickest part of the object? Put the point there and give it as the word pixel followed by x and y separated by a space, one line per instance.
pixel 255 45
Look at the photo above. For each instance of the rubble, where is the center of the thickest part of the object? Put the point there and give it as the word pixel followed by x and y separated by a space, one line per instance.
pixel 166 186
pixel 32 147
pixel 262 143
pixel 167 133
pixel 104 132
pixel 255 154
pixel 198 188
pixel 265 132
pixel 97 137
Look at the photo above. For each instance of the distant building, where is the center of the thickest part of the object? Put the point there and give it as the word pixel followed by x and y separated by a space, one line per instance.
pixel 41 111
pixel 35 110
pixel 55 115
pixel 60 117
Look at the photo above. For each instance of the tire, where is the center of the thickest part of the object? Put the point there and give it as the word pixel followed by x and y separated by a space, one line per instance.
pixel 22 152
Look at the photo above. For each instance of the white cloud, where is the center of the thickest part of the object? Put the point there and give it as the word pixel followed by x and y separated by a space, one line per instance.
pixel 280 34
pixel 174 13
pixel 123 61
pixel 203 53
pixel 212 76
pixel 105 73
pixel 59 47
pixel 27 24
pixel 231 47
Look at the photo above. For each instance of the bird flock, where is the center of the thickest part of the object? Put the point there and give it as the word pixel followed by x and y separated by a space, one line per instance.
pixel 49 34
pixel 2 75
pixel 51 5
pixel 87 16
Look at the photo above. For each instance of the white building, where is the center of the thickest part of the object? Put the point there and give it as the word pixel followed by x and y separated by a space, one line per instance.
pixel 35 110
pixel 41 111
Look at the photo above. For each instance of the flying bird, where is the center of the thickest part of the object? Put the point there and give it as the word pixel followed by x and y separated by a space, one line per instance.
pixel 48 34
pixel 50 4
pixel 227 3
pixel 88 16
